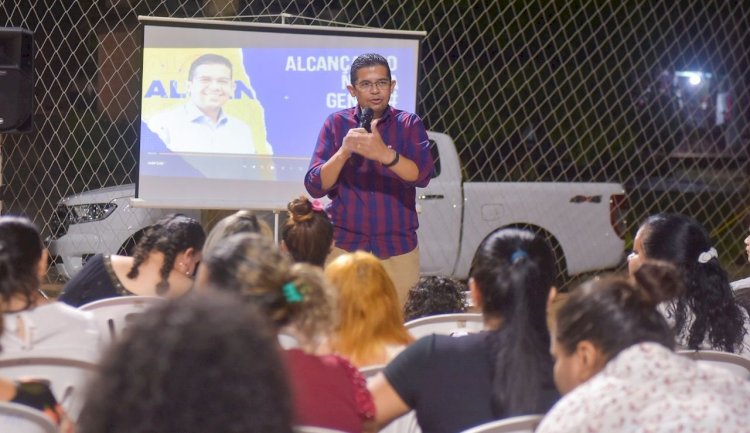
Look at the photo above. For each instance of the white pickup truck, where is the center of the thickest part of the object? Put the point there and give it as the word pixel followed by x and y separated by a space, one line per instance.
pixel 583 221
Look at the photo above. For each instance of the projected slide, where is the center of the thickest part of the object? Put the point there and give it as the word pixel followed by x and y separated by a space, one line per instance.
pixel 235 112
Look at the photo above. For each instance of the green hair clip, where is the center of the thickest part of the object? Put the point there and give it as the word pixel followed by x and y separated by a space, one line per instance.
pixel 291 293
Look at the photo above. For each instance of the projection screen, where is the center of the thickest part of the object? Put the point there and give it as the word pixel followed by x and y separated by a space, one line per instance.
pixel 282 82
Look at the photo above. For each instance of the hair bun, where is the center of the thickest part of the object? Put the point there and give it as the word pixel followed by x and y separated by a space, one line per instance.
pixel 657 281
pixel 300 209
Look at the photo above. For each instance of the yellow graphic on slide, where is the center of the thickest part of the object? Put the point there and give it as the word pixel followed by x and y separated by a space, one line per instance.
pixel 201 100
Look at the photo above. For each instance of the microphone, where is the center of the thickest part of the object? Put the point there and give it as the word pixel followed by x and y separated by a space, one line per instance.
pixel 365 118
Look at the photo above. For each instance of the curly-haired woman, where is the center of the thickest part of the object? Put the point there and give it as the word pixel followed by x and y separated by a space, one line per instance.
pixel 706 315
pixel 200 363
pixel 328 391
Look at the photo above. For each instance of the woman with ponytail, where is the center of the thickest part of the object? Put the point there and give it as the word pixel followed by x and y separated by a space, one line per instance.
pixel 455 383
pixel 163 264
pixel 614 362
pixel 706 315
pixel 327 390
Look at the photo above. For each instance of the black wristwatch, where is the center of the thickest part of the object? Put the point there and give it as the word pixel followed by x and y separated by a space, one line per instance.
pixel 394 162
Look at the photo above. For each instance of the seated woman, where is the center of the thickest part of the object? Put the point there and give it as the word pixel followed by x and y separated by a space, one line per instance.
pixel 455 383
pixel 327 390
pixel 435 295
pixel 308 233
pixel 35 394
pixel 616 366
pixel 312 326
pixel 195 364
pixel 371 329
pixel 33 324
pixel 706 315
pixel 163 264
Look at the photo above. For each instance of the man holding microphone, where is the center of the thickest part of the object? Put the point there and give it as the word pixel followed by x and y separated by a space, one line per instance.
pixel 371 175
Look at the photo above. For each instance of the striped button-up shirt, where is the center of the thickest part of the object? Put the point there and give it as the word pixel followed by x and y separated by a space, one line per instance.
pixel 372 209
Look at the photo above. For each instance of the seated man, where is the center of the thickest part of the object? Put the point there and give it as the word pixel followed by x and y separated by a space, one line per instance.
pixel 435 295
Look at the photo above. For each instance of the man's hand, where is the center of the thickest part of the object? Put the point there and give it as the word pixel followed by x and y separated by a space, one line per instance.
pixel 369 145
pixel 350 142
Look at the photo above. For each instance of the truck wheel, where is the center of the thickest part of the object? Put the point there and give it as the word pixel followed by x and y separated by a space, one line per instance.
pixel 128 247
pixel 562 280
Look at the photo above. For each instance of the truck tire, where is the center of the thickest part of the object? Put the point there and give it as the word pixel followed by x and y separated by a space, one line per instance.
pixel 562 279
pixel 128 247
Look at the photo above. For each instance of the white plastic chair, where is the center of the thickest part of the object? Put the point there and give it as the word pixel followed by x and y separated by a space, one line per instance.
pixel 404 424
pixel 67 377
pixel 516 424
pixel 737 364
pixel 446 324
pixel 371 371
pixel 18 418
pixel 288 342
pixel 113 315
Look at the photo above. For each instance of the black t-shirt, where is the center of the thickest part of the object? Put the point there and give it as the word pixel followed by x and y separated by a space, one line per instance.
pixel 448 381
pixel 37 394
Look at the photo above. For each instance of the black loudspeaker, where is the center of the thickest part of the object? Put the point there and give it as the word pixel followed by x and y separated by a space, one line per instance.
pixel 16 79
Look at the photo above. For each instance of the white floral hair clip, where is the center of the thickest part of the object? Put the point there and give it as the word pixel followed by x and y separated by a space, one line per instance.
pixel 705 257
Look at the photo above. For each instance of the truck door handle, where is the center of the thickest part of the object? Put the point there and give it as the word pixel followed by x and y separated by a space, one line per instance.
pixel 586 199
pixel 431 197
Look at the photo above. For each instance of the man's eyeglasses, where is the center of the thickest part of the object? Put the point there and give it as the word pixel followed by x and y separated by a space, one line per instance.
pixel 367 86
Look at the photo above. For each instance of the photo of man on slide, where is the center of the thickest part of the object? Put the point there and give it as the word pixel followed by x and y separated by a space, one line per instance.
pixel 201 125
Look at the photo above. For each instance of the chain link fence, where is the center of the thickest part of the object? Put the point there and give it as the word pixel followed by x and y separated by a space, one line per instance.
pixel 653 96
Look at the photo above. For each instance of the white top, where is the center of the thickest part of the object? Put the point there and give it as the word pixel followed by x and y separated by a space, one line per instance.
pixel 51 329
pixel 648 388
pixel 741 284
pixel 186 129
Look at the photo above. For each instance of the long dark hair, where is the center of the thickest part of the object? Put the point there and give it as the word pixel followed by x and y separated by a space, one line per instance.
pixel 708 297
pixel 614 314
pixel 514 271
pixel 170 236
pixel 20 251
